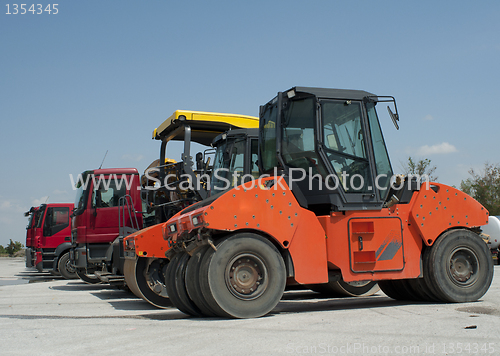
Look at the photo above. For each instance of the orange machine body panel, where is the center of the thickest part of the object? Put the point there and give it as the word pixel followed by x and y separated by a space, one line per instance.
pixel 373 245
pixel 148 242
pixel 272 212
pixel 365 245
pixel 435 212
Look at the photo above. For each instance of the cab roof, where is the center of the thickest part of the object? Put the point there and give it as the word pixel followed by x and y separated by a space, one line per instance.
pixel 333 93
pixel 236 133
pixel 205 126
pixel 113 171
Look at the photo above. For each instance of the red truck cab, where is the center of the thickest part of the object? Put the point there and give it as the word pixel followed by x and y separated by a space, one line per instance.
pixel 106 199
pixel 51 238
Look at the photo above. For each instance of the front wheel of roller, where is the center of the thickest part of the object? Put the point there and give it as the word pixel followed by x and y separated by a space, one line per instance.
pixel 129 268
pixel 172 282
pixel 193 281
pixel 244 278
pixel 180 286
pixel 150 281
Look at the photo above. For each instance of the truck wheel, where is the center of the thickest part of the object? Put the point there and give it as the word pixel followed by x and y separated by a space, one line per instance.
pixel 347 289
pixel 150 281
pixel 87 277
pixel 65 267
pixel 245 277
pixel 193 281
pixel 460 267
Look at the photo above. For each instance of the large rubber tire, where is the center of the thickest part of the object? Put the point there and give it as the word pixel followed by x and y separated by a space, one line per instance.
pixel 412 291
pixel 206 258
pixel 65 268
pixel 171 285
pixel 417 287
pixel 87 277
pixel 129 267
pixel 244 278
pixel 170 282
pixel 396 289
pixel 150 281
pixel 420 286
pixel 460 266
pixel 193 281
pixel 341 289
pixel 180 286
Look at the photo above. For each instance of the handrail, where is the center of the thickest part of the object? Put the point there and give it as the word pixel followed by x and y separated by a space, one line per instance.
pixel 126 208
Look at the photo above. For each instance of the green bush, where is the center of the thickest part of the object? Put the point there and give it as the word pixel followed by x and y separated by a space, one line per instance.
pixel 11 248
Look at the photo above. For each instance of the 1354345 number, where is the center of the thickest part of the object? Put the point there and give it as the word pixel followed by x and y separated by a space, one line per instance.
pixel 35 9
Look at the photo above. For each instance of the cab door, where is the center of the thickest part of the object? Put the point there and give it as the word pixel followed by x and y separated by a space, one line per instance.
pixel 56 227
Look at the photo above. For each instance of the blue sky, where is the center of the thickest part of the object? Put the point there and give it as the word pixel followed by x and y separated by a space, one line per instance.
pixel 102 74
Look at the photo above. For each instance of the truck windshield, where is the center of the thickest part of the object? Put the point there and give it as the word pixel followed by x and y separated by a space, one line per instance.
pixel 39 216
pixel 30 221
pixel 81 195
pixel 228 166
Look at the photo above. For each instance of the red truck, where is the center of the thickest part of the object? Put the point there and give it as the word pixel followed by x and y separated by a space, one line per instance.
pixel 49 238
pixel 107 201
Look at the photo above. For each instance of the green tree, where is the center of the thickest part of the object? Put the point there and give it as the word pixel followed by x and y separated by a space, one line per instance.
pixel 420 167
pixel 13 247
pixel 485 187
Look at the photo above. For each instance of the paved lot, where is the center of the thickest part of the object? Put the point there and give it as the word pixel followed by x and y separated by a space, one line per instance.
pixel 43 315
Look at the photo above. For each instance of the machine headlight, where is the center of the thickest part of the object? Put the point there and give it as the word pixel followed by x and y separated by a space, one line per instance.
pixel 172 228
pixel 197 220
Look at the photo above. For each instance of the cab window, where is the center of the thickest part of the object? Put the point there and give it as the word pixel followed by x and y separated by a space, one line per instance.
pixel 344 143
pixel 56 220
pixel 107 196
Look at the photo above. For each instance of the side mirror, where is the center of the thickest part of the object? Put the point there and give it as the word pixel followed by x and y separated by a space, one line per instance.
pixel 394 117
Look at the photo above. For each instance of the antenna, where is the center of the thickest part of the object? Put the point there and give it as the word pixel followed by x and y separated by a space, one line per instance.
pixel 103 159
pixel 46 200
